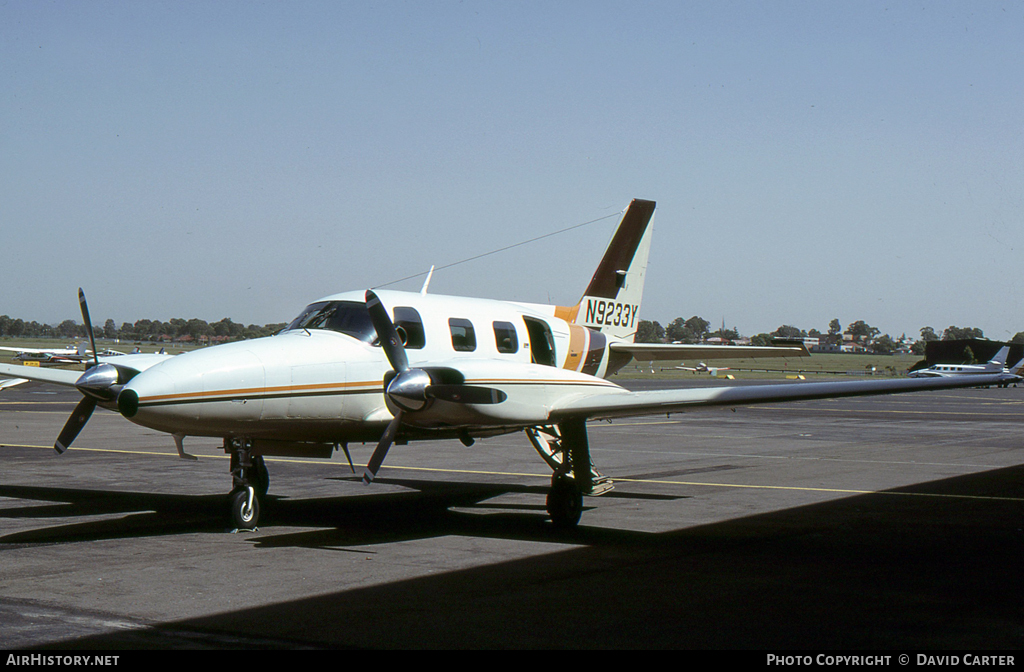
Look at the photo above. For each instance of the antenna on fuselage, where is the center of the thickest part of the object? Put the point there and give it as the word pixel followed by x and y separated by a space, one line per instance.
pixel 426 283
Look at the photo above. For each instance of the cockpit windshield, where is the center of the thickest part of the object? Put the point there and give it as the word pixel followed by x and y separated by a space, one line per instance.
pixel 347 317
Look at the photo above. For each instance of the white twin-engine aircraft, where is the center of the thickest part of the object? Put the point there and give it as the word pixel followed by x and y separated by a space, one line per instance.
pixel 995 365
pixel 390 366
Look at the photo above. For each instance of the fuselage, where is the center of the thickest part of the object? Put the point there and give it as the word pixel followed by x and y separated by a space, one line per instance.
pixel 322 378
pixel 947 370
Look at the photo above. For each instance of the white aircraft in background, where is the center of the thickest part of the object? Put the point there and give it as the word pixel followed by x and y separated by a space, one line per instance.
pixel 703 368
pixel 995 365
pixel 391 366
pixel 69 355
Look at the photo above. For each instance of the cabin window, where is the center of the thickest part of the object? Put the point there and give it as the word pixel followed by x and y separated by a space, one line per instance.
pixel 505 337
pixel 410 327
pixel 463 336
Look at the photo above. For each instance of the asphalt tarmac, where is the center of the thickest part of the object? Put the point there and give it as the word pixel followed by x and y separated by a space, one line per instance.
pixel 884 523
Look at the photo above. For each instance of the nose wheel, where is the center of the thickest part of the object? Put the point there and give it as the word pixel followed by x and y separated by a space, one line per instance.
pixel 245 508
pixel 250 481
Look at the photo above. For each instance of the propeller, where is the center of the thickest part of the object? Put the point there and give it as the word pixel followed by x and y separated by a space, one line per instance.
pixel 98 383
pixel 88 325
pixel 411 389
pixel 80 416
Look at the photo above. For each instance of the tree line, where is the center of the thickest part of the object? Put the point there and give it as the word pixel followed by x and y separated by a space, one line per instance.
pixel 693 330
pixel 697 330
pixel 141 330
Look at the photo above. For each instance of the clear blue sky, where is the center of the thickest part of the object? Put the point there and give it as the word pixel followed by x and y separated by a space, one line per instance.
pixel 811 160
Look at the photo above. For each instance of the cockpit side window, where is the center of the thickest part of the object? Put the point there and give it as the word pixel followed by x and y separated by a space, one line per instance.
pixel 346 317
pixel 410 327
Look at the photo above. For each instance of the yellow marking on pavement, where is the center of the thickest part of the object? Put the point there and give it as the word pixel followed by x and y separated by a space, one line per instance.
pixel 844 491
pixel 938 412
pixel 482 472
pixel 36 403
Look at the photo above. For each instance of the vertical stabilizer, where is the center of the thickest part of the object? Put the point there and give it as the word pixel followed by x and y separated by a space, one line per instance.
pixel 612 300
pixel 999 361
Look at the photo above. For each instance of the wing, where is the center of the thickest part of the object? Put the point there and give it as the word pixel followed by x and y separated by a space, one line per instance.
pixel 128 364
pixel 622 403
pixel 11 382
pixel 56 376
pixel 648 352
pixel 40 351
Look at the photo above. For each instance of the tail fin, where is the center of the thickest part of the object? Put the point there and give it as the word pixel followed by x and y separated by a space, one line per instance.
pixel 1000 358
pixel 612 299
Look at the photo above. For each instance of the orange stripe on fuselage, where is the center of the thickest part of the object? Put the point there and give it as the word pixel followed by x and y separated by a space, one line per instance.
pixel 371 387
pixel 368 387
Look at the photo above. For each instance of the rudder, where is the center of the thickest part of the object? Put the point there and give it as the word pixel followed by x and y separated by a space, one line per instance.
pixel 612 299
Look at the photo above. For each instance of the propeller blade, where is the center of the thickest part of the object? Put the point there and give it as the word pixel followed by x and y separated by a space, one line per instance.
pixel 387 333
pixel 74 425
pixel 466 394
pixel 382 449
pixel 88 327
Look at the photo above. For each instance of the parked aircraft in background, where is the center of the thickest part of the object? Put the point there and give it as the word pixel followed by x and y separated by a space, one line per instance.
pixel 387 366
pixel 995 365
pixel 69 355
pixel 704 368
pixel 56 356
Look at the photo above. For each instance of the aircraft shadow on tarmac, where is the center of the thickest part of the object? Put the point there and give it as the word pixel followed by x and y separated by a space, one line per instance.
pixel 425 510
pixel 934 565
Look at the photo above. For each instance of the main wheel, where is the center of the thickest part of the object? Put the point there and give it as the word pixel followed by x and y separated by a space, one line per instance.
pixel 244 515
pixel 565 503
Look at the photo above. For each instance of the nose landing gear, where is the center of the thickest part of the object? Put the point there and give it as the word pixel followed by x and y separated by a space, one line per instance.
pixel 250 480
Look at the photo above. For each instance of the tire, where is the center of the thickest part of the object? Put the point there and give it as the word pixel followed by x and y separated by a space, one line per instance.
pixel 244 517
pixel 565 503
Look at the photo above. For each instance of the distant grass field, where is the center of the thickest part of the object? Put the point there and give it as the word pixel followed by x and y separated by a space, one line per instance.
pixel 817 366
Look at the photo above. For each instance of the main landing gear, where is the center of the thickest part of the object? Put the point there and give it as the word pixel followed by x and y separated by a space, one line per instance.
pixel 565 501
pixel 563 448
pixel 249 483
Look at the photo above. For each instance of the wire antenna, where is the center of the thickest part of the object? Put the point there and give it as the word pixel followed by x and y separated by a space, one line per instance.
pixel 502 249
